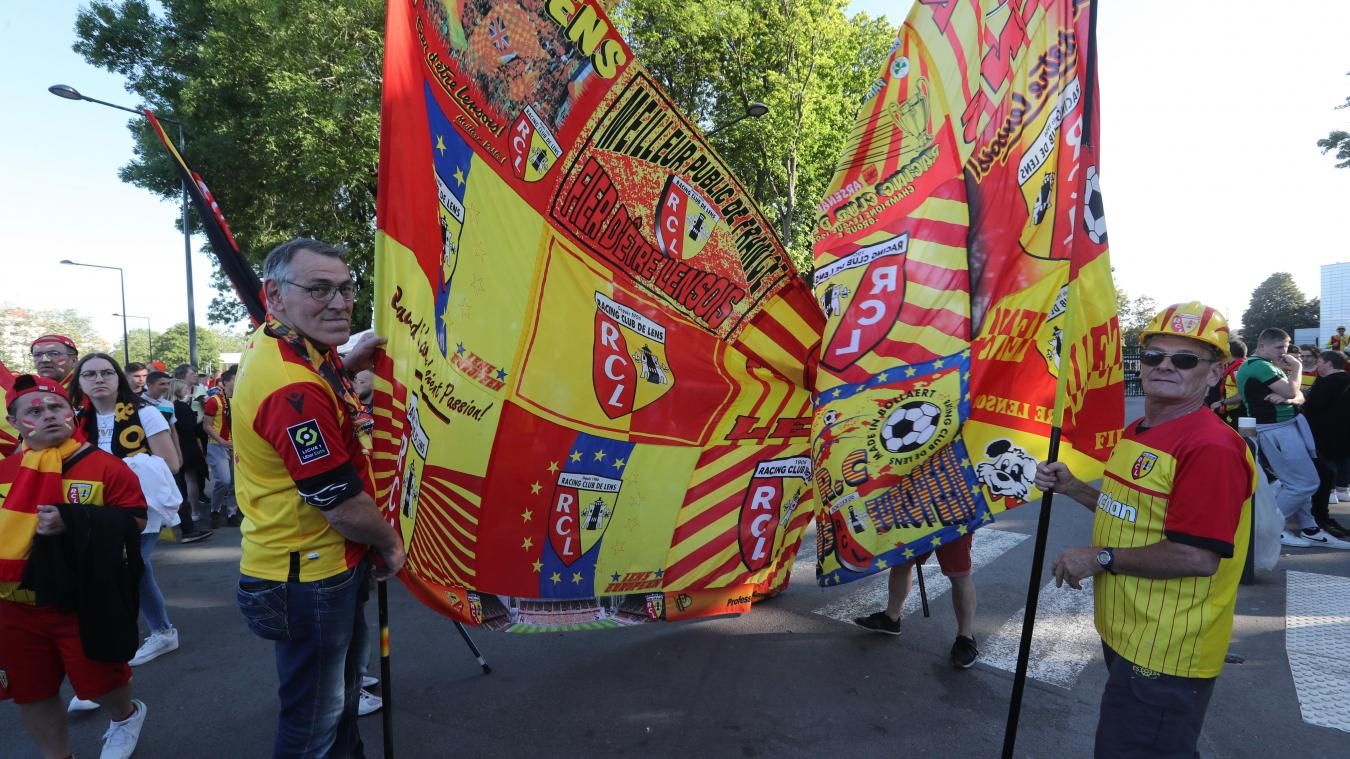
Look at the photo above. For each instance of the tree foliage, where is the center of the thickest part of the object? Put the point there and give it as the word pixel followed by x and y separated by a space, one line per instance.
pixel 20 326
pixel 281 104
pixel 1339 141
pixel 1135 314
pixel 805 59
pixel 1277 302
pixel 171 346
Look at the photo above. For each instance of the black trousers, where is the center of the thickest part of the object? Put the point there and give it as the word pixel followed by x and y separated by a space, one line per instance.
pixel 1149 715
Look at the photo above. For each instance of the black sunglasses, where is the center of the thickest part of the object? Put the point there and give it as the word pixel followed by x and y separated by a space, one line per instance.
pixel 1181 361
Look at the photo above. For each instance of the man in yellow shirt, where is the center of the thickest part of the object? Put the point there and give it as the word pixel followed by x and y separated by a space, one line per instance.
pixel 304 486
pixel 1170 534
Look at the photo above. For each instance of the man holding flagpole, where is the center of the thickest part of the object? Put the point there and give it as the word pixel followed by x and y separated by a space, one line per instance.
pixel 1170 534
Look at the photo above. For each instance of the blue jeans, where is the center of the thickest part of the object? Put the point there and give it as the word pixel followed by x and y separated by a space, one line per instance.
pixel 152 601
pixel 220 463
pixel 319 633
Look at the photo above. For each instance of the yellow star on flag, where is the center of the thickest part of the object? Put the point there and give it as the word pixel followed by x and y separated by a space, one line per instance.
pixel 910 371
pixel 962 530
pixel 555 578
pixel 440 144
pixel 576 578
pixel 909 553
pixel 619 463
pixel 537 565
pixel 881 564
pixel 599 455
pixel 534 488
pixel 527 515
pixel 936 541
pixel 965 461
pixel 937 364
pixel 527 543
pixel 881 377
pixel 576 456
pixel 552 467
pixel 459 176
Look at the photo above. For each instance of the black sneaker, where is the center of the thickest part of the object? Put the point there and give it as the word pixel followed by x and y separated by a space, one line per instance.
pixel 195 535
pixel 235 520
pixel 964 652
pixel 1334 528
pixel 878 622
pixel 215 520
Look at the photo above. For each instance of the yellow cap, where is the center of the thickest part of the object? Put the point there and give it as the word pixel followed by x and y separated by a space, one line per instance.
pixel 1194 320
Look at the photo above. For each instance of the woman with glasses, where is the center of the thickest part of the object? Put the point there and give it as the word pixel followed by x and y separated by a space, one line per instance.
pixel 124 424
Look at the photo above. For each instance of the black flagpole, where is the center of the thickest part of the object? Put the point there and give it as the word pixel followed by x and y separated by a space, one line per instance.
pixel 386 684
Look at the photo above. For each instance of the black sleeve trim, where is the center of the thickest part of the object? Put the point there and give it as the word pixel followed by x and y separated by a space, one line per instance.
pixel 325 491
pixel 1224 550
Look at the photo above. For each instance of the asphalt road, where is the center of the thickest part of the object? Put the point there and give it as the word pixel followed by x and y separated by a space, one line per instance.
pixel 787 680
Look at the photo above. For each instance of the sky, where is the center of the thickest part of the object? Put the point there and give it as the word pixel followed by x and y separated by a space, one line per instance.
pixel 1210 170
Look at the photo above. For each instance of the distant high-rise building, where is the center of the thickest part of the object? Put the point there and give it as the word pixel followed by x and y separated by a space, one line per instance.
pixel 1335 300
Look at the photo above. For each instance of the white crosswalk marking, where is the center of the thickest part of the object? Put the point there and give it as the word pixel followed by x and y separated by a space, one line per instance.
pixel 1317 637
pixel 989 544
pixel 1065 638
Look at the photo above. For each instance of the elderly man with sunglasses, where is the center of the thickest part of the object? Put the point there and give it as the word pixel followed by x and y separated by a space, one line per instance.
pixel 1170 532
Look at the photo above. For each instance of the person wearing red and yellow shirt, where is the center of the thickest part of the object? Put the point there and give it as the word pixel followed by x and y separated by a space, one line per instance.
pixel 40 645
pixel 304 486
pixel 1170 536
pixel 1339 341
pixel 217 424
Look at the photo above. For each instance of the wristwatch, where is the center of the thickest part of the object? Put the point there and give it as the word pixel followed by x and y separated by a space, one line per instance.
pixel 1107 559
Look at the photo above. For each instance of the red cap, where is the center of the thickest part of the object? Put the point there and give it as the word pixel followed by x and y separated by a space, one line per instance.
pixel 62 339
pixel 32 383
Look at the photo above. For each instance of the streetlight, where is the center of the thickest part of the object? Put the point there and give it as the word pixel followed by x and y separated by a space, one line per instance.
pixel 149 335
pixel 121 276
pixel 70 93
pixel 753 110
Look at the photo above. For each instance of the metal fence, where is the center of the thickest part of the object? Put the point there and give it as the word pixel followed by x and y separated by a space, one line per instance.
pixel 1130 358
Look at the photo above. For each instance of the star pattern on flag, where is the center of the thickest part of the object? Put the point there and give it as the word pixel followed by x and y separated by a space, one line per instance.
pixel 659 572
pixel 615 577
pixel 937 541
pixel 537 565
pixel 555 578
pixel 910 371
pixel 986 518
pixel 553 467
pixel 527 543
pixel 962 530
pixel 965 461
pixel 575 456
pixel 501 374
pixel 459 348
pixel 459 176
pixel 534 488
pixel 909 553
pixel 576 578
pixel 619 463
pixel 938 364
pixel 881 564
pixel 440 143
pixel 526 515
pixel 881 377
pixel 600 455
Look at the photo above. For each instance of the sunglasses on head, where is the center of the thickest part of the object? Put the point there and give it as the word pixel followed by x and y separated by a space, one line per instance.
pixel 1181 361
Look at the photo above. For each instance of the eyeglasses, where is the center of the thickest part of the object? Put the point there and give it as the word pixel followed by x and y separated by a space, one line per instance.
pixel 324 293
pixel 1181 361
pixel 91 374
pixel 49 355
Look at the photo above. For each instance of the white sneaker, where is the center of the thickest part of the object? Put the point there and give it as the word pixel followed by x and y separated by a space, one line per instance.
pixel 1323 539
pixel 1343 494
pixel 1332 497
pixel 78 704
pixel 120 740
pixel 155 646
pixel 369 704
pixel 369 682
pixel 1293 539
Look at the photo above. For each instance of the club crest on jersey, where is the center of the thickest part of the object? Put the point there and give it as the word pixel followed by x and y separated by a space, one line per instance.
pixel 80 492
pixel 1143 465
pixel 533 148
pixel 873 300
pixel 629 370
pixel 767 505
pixel 684 220
pixel 582 507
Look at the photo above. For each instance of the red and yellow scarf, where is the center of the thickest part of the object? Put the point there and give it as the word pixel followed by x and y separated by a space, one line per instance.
pixel 329 366
pixel 37 483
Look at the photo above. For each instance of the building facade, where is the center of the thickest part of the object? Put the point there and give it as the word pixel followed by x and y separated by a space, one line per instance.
pixel 1335 300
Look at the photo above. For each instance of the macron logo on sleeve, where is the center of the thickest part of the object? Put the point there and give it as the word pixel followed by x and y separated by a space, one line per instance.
pixel 308 441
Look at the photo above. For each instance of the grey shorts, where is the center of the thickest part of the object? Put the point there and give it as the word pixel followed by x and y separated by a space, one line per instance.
pixel 1149 714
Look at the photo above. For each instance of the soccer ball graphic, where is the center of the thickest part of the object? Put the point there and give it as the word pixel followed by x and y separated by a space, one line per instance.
pixel 831 417
pixel 910 426
pixel 1094 217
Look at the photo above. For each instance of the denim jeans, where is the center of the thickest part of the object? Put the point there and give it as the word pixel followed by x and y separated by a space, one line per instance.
pixel 319 636
pixel 152 601
pixel 220 463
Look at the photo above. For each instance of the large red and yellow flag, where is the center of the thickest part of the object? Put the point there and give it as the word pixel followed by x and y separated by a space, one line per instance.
pixel 961 264
pixel 595 409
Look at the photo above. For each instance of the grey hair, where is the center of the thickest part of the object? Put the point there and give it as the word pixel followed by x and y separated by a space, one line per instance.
pixel 277 265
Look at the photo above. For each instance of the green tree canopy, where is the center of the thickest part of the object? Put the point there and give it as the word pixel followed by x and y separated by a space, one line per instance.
pixel 20 326
pixel 1339 141
pixel 1134 314
pixel 281 104
pixel 1277 302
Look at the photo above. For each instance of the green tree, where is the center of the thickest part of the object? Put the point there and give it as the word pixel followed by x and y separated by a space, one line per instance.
pixel 171 347
pixel 140 341
pixel 805 59
pixel 1135 314
pixel 1277 302
pixel 20 326
pixel 1339 141
pixel 281 104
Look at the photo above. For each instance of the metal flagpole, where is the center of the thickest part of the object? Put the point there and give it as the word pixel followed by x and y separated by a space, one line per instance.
pixel 386 685
pixel 923 591
pixel 477 654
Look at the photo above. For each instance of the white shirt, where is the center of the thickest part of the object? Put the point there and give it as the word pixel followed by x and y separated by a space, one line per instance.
pixel 151 420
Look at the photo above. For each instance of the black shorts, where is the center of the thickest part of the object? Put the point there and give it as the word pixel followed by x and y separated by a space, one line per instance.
pixel 1147 714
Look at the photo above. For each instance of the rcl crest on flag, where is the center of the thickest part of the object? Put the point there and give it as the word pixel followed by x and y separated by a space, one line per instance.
pixel 533 149
pixel 763 505
pixel 873 303
pixel 684 220
pixel 630 370
pixel 582 507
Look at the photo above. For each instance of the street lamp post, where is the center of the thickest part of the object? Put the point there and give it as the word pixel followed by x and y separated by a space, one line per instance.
pixel 121 277
pixel 149 336
pixel 753 110
pixel 70 93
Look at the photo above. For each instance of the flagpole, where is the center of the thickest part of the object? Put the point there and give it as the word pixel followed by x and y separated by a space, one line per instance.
pixel 386 684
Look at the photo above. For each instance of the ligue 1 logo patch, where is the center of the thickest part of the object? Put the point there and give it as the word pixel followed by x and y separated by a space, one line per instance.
pixel 1143 465
pixel 308 441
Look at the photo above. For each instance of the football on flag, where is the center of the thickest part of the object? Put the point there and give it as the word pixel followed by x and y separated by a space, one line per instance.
pixel 1094 218
pixel 910 426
